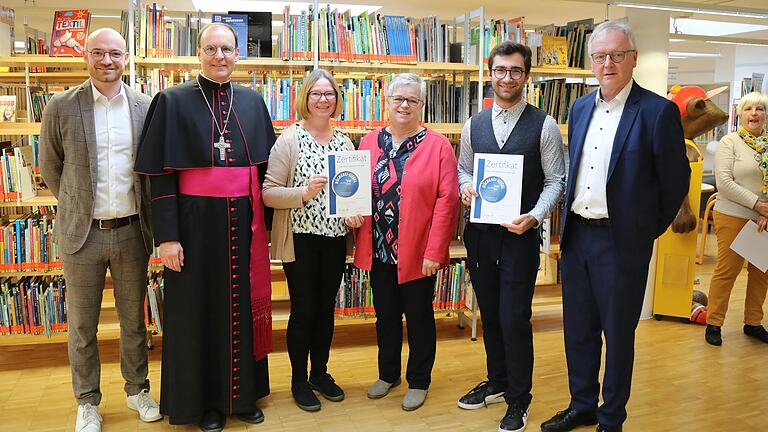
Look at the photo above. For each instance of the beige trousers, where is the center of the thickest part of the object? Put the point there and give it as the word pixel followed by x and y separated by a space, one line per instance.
pixel 122 251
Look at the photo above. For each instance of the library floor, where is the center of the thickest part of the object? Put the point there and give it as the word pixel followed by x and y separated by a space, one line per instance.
pixel 680 382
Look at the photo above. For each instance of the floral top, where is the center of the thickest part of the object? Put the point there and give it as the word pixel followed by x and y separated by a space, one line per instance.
pixel 312 219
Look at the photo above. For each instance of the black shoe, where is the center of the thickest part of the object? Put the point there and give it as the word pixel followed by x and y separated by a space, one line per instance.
pixel 213 421
pixel 327 387
pixel 568 420
pixel 482 395
pixel 253 418
pixel 304 398
pixel 713 337
pixel 515 419
pixel 758 332
pixel 603 428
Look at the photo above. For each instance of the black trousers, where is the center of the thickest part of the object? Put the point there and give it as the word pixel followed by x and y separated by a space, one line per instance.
pixel 414 299
pixel 502 268
pixel 313 281
pixel 602 297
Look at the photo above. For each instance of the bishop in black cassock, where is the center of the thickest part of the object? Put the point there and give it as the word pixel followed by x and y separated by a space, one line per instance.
pixel 217 313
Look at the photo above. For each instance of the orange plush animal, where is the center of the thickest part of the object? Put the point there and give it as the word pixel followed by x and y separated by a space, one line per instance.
pixel 699 115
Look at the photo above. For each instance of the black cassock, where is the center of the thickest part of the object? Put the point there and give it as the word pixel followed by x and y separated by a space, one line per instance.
pixel 208 343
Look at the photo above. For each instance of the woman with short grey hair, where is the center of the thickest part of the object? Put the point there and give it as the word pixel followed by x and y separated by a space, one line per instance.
pixel 415 196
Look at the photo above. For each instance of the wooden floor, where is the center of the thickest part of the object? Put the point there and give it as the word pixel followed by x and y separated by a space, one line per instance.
pixel 680 382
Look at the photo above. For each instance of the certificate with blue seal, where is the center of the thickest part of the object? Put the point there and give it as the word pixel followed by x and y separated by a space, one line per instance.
pixel 498 181
pixel 349 183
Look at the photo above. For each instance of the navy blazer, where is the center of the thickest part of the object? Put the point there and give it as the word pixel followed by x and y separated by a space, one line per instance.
pixel 648 174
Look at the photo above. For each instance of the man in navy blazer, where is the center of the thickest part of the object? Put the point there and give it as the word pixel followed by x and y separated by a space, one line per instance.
pixel 628 176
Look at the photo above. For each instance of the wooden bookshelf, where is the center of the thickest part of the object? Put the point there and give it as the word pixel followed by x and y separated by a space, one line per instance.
pixel 19 128
pixel 561 72
pixel 18 274
pixel 40 200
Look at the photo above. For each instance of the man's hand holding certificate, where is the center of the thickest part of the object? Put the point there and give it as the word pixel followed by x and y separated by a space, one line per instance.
pixel 349 183
pixel 498 183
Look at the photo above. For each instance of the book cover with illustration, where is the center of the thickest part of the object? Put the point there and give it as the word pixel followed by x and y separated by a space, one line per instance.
pixel 554 51
pixel 70 28
pixel 7 108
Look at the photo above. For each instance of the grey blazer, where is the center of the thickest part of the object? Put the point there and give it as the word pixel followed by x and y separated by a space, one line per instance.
pixel 68 163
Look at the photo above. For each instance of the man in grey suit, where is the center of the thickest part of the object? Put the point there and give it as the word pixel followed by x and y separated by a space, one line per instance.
pixel 87 145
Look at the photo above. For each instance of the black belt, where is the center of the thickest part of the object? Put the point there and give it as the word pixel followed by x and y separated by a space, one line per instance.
pixel 604 222
pixel 115 223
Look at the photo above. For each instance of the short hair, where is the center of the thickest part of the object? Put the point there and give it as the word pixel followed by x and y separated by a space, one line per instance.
pixel 508 48
pixel 311 79
pixel 406 79
pixel 612 26
pixel 215 24
pixel 754 98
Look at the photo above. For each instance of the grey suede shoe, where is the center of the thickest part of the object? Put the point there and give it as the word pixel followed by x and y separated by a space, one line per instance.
pixel 381 388
pixel 414 399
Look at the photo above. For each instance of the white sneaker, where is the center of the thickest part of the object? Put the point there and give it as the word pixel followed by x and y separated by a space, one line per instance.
pixel 88 419
pixel 147 407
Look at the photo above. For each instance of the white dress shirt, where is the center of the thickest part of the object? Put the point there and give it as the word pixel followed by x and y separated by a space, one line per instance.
pixel 114 154
pixel 589 194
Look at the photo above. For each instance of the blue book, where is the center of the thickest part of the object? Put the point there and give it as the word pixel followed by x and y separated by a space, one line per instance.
pixel 240 24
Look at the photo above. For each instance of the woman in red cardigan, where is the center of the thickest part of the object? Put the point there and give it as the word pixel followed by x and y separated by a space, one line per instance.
pixel 415 211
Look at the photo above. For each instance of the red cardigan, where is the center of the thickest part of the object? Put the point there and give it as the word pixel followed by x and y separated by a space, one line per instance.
pixel 429 207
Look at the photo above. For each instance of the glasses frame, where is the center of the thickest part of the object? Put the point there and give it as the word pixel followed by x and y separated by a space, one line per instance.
pixel 405 99
pixel 507 72
pixel 205 50
pixel 99 54
pixel 611 54
pixel 328 96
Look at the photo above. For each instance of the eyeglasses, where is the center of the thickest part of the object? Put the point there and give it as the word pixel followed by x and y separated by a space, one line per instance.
pixel 501 73
pixel 616 56
pixel 98 54
pixel 211 50
pixel 398 100
pixel 316 95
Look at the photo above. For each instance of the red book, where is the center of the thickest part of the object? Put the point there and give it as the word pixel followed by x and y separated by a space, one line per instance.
pixel 70 28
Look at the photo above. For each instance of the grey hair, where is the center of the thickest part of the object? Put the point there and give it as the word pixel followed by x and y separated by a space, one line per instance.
pixel 613 26
pixel 405 79
pixel 754 98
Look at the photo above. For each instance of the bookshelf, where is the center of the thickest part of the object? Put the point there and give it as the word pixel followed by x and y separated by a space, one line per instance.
pixel 42 71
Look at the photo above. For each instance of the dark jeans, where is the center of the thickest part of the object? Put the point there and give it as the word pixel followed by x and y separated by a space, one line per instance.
pixel 503 267
pixel 313 281
pixel 414 299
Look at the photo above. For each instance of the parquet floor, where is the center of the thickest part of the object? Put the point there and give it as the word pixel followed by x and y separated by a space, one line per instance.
pixel 680 382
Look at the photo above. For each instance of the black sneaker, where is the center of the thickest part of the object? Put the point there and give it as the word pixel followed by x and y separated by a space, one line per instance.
pixel 515 419
pixel 482 395
pixel 758 332
pixel 713 337
pixel 327 387
pixel 304 397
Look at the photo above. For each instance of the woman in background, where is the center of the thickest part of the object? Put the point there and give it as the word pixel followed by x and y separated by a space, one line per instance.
pixel 741 173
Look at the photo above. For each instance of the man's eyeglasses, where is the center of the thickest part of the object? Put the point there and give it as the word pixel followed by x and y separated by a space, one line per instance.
pixel 501 73
pixel 98 54
pixel 398 100
pixel 616 56
pixel 211 50
pixel 316 95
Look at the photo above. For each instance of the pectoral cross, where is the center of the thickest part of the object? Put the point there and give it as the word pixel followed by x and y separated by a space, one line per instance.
pixel 222 146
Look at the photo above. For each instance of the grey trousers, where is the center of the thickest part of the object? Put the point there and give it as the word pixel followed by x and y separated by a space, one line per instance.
pixel 122 251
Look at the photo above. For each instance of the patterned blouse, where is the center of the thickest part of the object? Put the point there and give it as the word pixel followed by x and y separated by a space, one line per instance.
pixel 387 176
pixel 311 218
